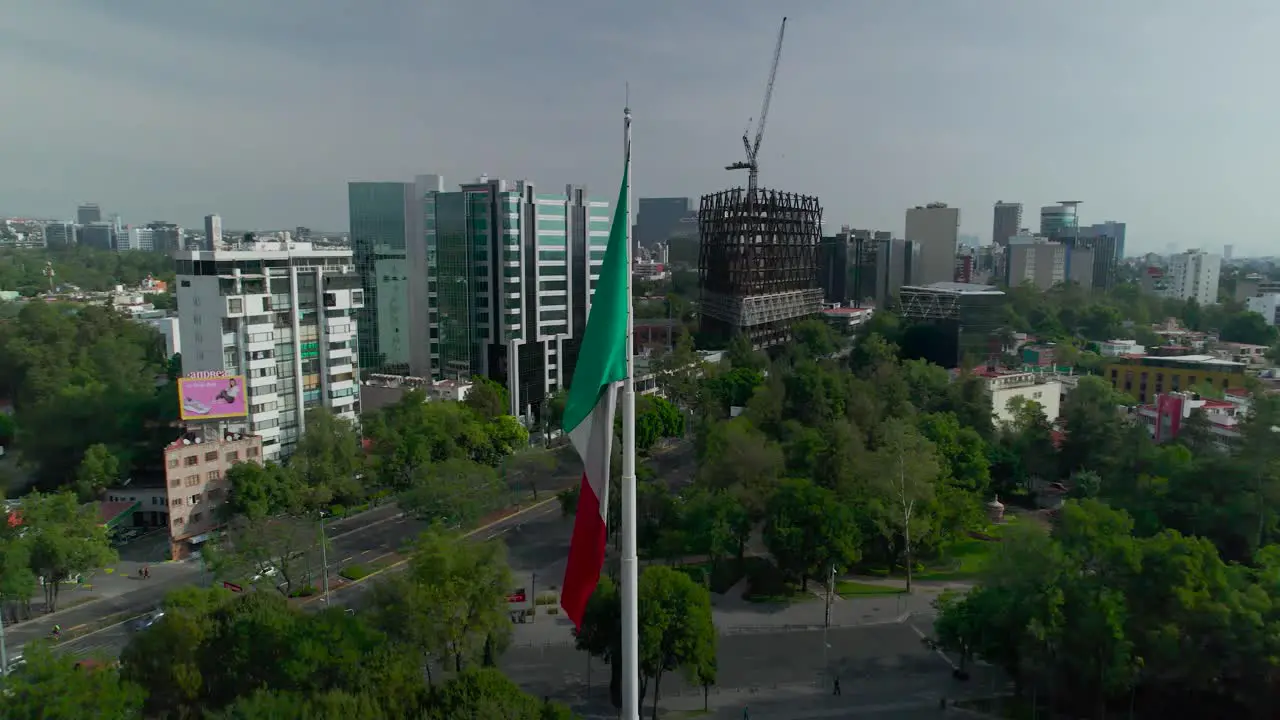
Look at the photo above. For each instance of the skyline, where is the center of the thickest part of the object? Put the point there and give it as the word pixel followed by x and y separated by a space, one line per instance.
pixel 263 112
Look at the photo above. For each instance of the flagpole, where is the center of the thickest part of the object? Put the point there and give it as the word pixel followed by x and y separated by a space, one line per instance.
pixel 630 572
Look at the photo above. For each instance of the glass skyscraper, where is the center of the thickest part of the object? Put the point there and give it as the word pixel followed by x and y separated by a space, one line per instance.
pixel 382 223
pixel 508 274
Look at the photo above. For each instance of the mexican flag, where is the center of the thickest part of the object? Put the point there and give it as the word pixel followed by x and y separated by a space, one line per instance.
pixel 589 410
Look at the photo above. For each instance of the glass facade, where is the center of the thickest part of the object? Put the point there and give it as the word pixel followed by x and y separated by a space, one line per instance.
pixel 379 214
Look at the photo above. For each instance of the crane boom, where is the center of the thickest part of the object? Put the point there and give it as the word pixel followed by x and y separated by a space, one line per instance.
pixel 768 92
pixel 752 166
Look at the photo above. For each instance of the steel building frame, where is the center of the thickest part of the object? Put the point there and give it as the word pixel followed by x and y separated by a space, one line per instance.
pixel 758 262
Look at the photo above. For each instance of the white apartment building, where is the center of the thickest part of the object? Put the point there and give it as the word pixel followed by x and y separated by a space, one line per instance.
pixel 1268 306
pixel 282 315
pixel 1194 274
pixel 140 238
pixel 1043 389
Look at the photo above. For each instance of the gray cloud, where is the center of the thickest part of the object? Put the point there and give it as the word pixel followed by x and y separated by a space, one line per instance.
pixel 1154 113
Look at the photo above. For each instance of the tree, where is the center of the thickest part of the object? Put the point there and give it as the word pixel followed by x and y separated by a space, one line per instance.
pixel 331 705
pixel 487 398
pixel 807 530
pixel 453 493
pixel 253 544
pixel 601 633
pixel 1247 327
pixel 261 491
pixel 907 468
pixel 716 525
pixel 64 539
pixel 8 429
pixel 17 581
pixel 738 455
pixel 328 460
pixel 99 469
pixel 449 602
pixel 486 693
pixel 815 338
pixel 56 687
pixel 676 630
pixel 527 469
pixel 655 419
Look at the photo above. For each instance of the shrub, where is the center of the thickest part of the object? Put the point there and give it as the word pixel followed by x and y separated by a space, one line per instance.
pixel 354 571
pixel 548 598
pixel 302 592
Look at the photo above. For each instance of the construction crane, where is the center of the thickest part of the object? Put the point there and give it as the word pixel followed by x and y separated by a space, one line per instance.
pixel 751 165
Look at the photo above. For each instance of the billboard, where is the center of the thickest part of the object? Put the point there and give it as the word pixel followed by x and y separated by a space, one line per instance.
pixel 212 398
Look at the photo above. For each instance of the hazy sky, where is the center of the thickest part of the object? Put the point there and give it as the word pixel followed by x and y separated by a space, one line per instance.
pixel 1161 114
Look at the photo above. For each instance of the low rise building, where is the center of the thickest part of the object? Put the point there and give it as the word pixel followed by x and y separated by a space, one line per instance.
pixel 1116 348
pixel 1043 388
pixel 1146 376
pixel 1165 418
pixel 381 390
pixel 196 484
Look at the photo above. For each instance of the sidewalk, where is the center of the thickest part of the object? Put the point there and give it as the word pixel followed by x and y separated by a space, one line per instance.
pixel 144 595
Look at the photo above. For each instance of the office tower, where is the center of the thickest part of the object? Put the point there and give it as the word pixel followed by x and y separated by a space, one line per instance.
pixel 98 235
pixel 864 251
pixel 281 316
pixel 1060 221
pixel 1227 252
pixel 212 231
pixel 511 271
pixel 1194 275
pixel 897 265
pixel 136 239
pixel 59 235
pixel 1036 260
pixel 1111 229
pixel 1080 264
pixel 935 228
pixel 1104 252
pixel 657 219
pixel 88 213
pixel 1006 222
pixel 967 319
pixel 166 237
pixel 385 220
pixel 834 268
pixel 758 263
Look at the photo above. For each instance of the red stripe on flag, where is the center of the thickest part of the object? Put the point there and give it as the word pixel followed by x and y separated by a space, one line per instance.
pixel 586 555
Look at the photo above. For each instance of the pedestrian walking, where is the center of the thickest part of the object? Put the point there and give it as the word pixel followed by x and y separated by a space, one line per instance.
pixel 146 572
pixel 140 573
pixel 837 688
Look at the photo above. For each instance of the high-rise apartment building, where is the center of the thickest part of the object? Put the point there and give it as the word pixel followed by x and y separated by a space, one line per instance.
pixel 1194 275
pixel 1227 252
pixel 283 316
pixel 386 217
pixel 506 281
pixel 59 235
pixel 934 228
pixel 88 213
pixel 1036 260
pixel 864 254
pixel 212 231
pixel 1007 220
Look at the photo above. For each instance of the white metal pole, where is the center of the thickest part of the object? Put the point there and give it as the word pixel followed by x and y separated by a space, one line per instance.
pixel 630 573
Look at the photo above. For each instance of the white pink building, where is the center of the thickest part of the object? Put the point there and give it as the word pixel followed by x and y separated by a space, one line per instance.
pixel 1165 418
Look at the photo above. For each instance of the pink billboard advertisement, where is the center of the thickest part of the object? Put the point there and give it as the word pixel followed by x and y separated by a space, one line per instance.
pixel 212 398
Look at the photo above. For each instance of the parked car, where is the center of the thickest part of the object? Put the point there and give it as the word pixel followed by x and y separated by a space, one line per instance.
pixel 265 571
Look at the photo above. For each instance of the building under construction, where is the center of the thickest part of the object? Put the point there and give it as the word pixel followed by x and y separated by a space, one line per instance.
pixel 758 264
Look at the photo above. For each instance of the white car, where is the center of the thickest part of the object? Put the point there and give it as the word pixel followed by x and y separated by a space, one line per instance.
pixel 148 620
pixel 264 571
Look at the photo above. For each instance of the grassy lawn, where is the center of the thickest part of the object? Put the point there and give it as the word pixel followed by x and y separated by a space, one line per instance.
pixel 851 589
pixel 967 558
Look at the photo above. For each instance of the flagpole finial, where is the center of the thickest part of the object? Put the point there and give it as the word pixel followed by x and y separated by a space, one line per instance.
pixel 626 108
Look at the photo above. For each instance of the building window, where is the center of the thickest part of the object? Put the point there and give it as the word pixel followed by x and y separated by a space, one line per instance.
pixel 214 475
pixel 211 456
pixel 173 463
pixel 233 456
pixel 190 460
pixel 235 305
pixel 251 452
pixel 176 502
pixel 178 521
pixel 195 499
pixel 177 482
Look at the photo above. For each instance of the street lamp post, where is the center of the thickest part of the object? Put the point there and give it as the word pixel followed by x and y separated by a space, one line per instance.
pixel 324 557
pixel 4 653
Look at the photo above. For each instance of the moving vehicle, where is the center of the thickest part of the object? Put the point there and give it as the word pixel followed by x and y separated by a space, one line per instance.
pixel 148 620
